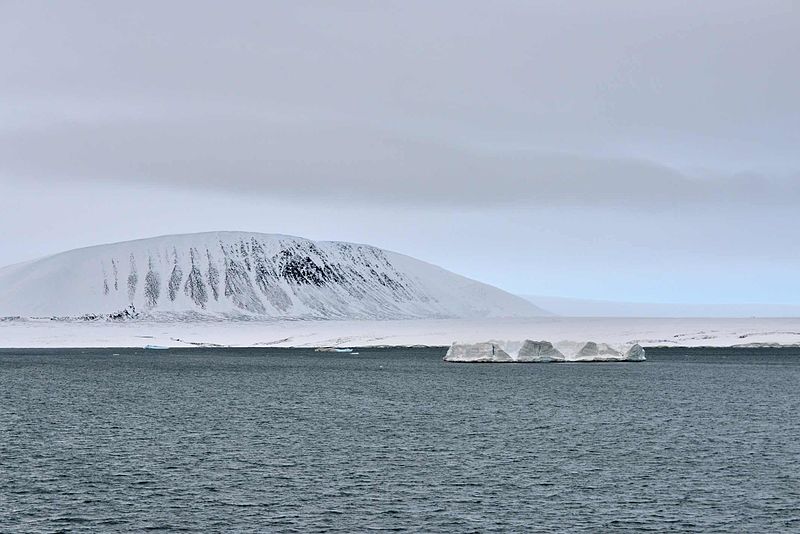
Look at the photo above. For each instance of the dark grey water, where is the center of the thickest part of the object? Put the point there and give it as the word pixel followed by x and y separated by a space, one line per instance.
pixel 297 441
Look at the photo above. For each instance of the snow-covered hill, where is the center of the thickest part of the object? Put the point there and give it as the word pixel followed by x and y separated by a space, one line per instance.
pixel 241 275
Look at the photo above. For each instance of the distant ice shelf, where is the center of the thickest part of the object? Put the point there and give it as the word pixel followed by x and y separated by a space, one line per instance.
pixel 615 332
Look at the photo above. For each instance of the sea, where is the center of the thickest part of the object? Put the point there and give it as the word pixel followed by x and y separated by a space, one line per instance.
pixel 292 440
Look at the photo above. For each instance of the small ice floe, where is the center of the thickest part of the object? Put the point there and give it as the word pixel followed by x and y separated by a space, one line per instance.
pixel 332 349
pixel 155 347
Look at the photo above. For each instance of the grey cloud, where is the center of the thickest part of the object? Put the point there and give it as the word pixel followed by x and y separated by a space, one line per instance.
pixel 712 85
pixel 346 162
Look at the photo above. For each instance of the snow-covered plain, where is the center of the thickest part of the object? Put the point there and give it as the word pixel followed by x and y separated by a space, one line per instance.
pixel 573 307
pixel 647 332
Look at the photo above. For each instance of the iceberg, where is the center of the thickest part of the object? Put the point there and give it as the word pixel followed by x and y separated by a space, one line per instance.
pixel 539 351
pixel 543 352
pixel 477 353
pixel 635 353
pixel 598 352
pixel 591 351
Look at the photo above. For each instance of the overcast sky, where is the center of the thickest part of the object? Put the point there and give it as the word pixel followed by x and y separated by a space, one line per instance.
pixel 621 150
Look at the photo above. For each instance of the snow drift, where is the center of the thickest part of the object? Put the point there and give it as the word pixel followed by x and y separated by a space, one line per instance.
pixel 246 275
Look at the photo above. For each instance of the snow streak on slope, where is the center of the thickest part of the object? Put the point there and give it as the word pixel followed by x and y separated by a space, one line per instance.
pixel 236 274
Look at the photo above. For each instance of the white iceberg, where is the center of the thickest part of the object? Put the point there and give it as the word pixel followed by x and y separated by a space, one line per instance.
pixel 591 351
pixel 543 352
pixel 477 353
pixel 597 352
pixel 539 352
pixel 635 353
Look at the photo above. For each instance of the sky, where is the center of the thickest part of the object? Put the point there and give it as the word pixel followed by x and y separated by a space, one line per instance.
pixel 616 150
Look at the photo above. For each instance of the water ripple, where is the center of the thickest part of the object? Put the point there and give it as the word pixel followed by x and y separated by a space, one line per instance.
pixel 395 440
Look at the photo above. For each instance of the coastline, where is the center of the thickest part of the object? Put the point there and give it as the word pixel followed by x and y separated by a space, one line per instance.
pixel 648 332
